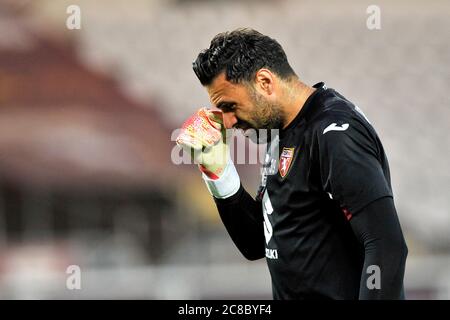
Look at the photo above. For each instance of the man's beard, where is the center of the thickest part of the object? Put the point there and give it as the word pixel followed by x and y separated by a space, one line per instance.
pixel 266 116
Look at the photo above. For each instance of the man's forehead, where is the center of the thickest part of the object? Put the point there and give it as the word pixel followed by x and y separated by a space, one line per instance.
pixel 221 89
pixel 218 86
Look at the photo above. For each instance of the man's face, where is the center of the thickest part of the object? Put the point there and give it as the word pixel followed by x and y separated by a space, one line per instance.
pixel 243 107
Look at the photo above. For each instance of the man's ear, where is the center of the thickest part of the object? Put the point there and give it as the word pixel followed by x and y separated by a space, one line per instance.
pixel 265 82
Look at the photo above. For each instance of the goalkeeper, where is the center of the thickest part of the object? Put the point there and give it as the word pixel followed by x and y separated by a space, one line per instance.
pixel 325 220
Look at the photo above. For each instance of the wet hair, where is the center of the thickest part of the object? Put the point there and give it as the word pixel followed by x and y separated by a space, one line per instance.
pixel 240 54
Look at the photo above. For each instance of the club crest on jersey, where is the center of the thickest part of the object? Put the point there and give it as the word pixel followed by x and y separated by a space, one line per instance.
pixel 285 161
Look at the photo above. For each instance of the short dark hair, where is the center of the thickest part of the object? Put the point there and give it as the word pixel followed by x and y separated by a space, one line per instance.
pixel 240 54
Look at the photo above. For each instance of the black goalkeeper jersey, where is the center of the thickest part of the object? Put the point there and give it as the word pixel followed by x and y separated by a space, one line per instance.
pixel 331 164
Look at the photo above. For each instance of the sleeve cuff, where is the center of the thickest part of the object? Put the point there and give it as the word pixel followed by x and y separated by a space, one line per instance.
pixel 227 185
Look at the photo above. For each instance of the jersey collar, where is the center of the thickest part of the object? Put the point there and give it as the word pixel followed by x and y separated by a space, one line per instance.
pixel 307 110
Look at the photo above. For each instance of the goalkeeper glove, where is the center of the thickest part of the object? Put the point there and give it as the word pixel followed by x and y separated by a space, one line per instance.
pixel 204 135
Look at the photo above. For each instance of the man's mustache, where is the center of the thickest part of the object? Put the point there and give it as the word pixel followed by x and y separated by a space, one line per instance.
pixel 243 125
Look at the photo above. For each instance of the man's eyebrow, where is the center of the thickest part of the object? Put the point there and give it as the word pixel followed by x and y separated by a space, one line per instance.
pixel 225 104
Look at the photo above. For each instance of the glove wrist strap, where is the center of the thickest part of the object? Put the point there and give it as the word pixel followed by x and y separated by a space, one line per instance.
pixel 226 185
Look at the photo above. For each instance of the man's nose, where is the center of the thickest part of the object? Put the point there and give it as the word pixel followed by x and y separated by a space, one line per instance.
pixel 229 120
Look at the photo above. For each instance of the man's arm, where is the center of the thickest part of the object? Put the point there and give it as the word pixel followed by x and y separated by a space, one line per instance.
pixel 240 213
pixel 378 230
pixel 242 217
pixel 351 166
pixel 203 135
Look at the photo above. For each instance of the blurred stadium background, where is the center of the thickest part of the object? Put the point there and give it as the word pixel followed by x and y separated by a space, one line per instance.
pixel 86 118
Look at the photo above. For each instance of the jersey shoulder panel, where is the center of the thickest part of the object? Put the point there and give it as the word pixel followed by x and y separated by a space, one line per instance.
pixel 340 119
pixel 350 157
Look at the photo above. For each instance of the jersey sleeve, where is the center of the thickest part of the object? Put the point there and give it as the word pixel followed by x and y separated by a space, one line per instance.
pixel 353 168
pixel 242 217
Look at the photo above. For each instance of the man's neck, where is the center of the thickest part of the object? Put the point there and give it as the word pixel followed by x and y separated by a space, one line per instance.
pixel 297 94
